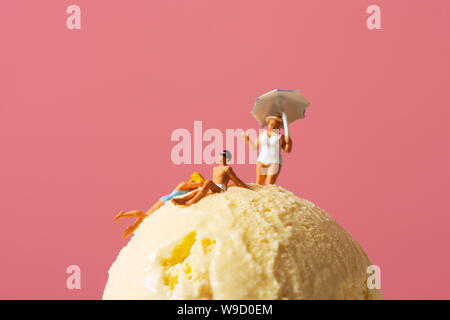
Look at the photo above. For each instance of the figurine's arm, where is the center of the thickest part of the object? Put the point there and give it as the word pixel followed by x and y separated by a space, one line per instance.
pixel 253 145
pixel 238 182
pixel 286 143
pixel 191 185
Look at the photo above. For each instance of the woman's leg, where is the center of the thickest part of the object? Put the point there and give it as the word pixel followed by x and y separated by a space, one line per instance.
pixel 260 173
pixel 130 229
pixel 155 207
pixel 140 215
pixel 130 214
pixel 273 172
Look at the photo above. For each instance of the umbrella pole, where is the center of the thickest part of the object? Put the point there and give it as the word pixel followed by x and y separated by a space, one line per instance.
pixel 285 124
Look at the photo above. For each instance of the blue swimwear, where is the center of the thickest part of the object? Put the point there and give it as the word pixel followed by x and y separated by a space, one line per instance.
pixel 175 193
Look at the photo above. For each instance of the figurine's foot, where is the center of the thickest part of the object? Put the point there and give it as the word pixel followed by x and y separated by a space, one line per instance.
pixel 128 231
pixel 119 215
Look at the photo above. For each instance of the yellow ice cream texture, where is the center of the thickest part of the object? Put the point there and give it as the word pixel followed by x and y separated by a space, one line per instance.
pixel 264 243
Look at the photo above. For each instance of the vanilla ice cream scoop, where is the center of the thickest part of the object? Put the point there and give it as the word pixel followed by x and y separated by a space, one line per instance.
pixel 263 243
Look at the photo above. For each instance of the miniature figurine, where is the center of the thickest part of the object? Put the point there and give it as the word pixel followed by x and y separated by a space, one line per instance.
pixel 196 181
pixel 276 109
pixel 222 174
pixel 270 143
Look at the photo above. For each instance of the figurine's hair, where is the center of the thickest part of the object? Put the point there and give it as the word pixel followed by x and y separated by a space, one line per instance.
pixel 196 177
pixel 226 154
pixel 276 117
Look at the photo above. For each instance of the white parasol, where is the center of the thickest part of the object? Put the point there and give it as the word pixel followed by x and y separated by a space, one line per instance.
pixel 289 103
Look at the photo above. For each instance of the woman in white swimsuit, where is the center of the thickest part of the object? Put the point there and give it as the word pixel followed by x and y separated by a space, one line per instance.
pixel 270 143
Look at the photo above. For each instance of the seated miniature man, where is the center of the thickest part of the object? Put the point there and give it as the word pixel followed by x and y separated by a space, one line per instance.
pixel 196 181
pixel 222 174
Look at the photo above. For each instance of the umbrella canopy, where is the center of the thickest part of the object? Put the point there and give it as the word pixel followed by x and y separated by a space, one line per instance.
pixel 289 103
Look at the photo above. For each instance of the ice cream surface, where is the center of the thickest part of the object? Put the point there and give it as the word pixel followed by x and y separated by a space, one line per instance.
pixel 264 243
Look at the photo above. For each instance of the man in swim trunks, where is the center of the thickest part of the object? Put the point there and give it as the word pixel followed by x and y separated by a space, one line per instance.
pixel 222 174
pixel 196 181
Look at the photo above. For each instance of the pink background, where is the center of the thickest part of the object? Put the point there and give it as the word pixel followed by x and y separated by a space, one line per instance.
pixel 86 118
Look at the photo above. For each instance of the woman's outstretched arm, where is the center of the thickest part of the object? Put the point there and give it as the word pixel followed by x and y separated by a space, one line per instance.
pixel 252 144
